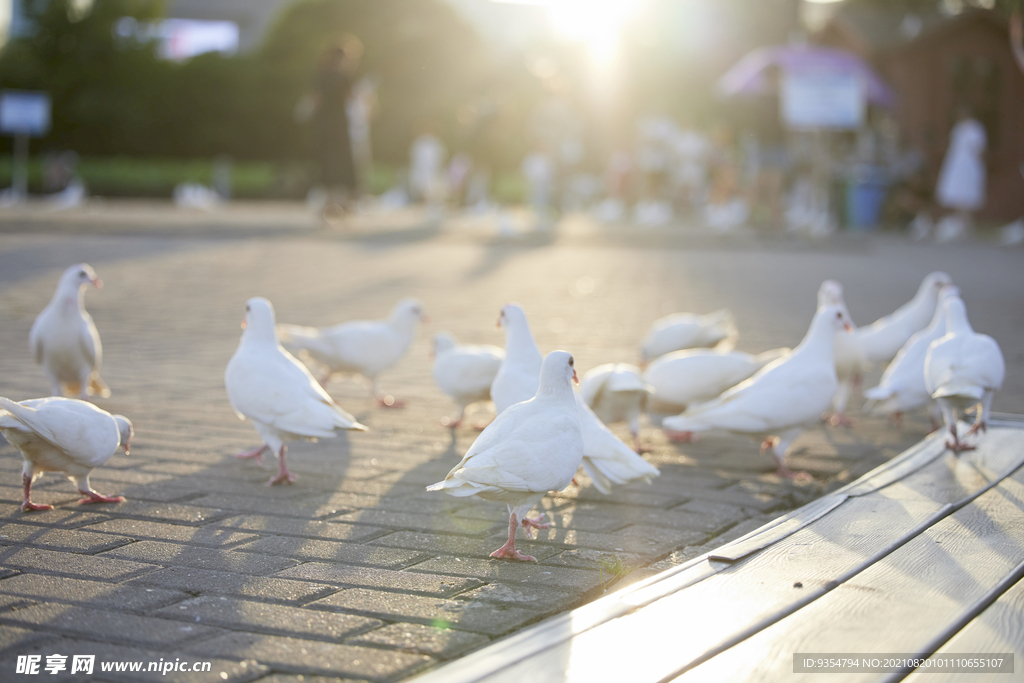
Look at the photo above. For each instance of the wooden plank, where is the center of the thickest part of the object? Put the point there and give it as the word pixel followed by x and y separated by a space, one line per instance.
pixel 772 534
pixel 686 625
pixel 899 604
pixel 1000 628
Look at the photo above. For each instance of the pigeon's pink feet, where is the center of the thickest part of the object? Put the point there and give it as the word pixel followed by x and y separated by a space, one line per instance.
pixel 639 447
pixel 254 453
pixel 283 476
pixel 787 473
pixel 959 446
pixel 680 437
pixel 840 420
pixel 980 426
pixel 389 401
pixel 26 504
pixel 534 523
pixel 509 551
pixel 450 423
pixel 93 497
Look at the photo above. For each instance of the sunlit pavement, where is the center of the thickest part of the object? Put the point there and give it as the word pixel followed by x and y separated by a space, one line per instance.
pixel 355 571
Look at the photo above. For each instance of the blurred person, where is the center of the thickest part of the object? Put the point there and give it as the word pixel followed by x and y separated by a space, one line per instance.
pixel 726 209
pixel 427 157
pixel 361 106
pixel 331 131
pixel 655 147
pixel 961 186
pixel 539 170
pixel 690 172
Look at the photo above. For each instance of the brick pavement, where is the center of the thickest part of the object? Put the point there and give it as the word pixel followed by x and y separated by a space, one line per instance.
pixel 355 572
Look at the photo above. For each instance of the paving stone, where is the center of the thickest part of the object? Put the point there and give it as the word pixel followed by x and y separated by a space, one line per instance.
pixel 117 627
pixel 68 540
pixel 167 512
pixel 111 655
pixel 207 536
pixel 646 541
pixel 311 549
pixel 65 519
pixel 526 595
pixel 414 522
pixel 207 582
pixel 172 554
pixel 408 582
pixel 262 617
pixel 482 617
pixel 72 564
pixel 289 526
pixel 427 640
pixel 450 544
pixel 16 640
pixel 316 657
pixel 308 507
pixel 124 597
pixel 597 560
pixel 508 571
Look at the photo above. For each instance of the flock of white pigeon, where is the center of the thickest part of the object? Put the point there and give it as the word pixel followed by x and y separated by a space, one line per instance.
pixel 544 430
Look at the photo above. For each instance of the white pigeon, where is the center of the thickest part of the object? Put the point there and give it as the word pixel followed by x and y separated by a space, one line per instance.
pixel 616 392
pixel 963 369
pixel 849 355
pixel 606 459
pixel 63 435
pixel 684 378
pixel 782 398
pixel 361 347
pixel 531 448
pixel 881 340
pixel 902 387
pixel 688 331
pixel 464 372
pixel 64 339
pixel 269 386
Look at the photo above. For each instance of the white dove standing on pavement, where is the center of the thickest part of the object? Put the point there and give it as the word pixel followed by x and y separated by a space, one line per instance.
pixel 881 340
pixel 606 459
pixel 681 379
pixel 464 372
pixel 687 331
pixel 269 386
pixel 963 369
pixel 782 398
pixel 362 347
pixel 531 448
pixel 64 339
pixel 616 392
pixel 848 353
pixel 63 435
pixel 902 387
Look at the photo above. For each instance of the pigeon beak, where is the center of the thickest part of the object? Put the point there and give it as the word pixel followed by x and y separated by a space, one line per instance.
pixel 431 354
pixel 497 324
pixel 127 448
pixel 425 319
pixel 96 282
pixel 575 378
pixel 848 326
pixel 243 323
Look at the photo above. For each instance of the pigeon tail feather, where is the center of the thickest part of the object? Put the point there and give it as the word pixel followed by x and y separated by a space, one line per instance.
pixel 967 390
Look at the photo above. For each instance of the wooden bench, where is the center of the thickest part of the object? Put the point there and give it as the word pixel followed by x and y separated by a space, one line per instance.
pixel 922 555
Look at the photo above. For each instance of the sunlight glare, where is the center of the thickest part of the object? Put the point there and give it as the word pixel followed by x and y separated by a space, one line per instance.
pixel 595 23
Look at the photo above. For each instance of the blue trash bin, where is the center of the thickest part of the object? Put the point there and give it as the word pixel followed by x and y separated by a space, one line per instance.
pixel 865 194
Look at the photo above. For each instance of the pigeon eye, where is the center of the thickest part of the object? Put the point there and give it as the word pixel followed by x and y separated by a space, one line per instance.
pixel 570 362
pixel 246 308
pixel 839 316
pixel 81 273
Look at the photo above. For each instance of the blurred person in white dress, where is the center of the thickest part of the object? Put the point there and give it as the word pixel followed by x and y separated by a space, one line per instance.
pixel 961 187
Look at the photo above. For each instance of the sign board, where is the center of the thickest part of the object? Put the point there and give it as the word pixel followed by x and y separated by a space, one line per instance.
pixel 822 99
pixel 24 112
